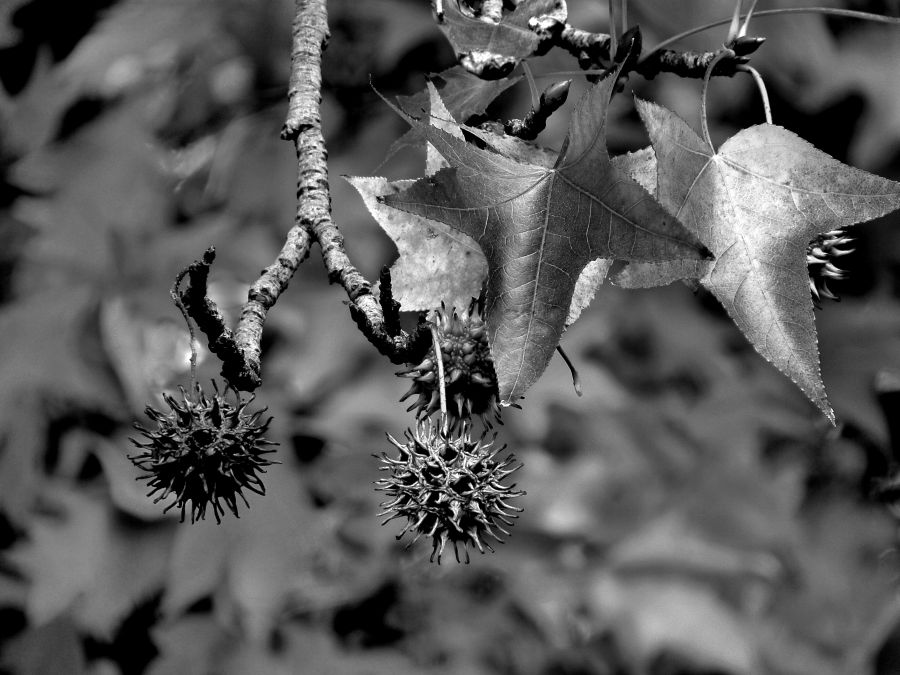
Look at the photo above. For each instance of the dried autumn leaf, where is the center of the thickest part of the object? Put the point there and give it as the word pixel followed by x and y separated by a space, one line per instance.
pixel 757 203
pixel 539 227
pixel 491 50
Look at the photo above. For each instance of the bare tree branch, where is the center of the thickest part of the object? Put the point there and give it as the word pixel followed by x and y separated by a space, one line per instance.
pixel 240 350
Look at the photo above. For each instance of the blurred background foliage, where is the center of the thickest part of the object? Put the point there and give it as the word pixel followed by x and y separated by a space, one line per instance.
pixel 691 514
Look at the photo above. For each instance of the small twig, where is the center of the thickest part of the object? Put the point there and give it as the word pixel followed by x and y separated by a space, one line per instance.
pixel 844 13
pixel 535 121
pixel 593 51
pixel 588 48
pixel 235 368
pixel 685 64
pixel 767 108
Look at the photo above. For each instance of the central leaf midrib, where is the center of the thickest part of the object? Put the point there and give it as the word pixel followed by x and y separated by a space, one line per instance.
pixel 747 252
pixel 537 281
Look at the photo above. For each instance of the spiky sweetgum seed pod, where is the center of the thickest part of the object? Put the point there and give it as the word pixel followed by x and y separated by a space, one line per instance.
pixel 471 385
pixel 205 450
pixel 821 255
pixel 449 488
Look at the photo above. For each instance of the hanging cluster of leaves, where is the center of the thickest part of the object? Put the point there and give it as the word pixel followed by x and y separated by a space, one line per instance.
pixel 738 219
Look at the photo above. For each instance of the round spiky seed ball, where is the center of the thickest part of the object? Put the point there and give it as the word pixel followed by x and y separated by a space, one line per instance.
pixel 449 488
pixel 205 450
pixel 471 385
pixel 820 258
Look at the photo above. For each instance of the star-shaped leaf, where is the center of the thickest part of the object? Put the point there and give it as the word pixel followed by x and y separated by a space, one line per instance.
pixel 539 227
pixel 492 50
pixel 438 264
pixel 757 203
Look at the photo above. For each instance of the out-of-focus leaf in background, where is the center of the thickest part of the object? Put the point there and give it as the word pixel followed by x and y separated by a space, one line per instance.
pixel 689 514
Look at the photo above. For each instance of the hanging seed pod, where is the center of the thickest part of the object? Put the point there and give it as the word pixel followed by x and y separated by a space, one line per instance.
pixel 449 488
pixel 205 450
pixel 471 385
pixel 820 260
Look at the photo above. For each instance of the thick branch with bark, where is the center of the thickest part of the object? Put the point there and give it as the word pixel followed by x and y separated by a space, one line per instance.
pixel 240 350
pixel 303 126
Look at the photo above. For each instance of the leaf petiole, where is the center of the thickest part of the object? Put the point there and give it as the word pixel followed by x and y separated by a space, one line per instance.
pixel 442 383
pixel 725 53
pixel 532 85
pixel 767 108
pixel 576 380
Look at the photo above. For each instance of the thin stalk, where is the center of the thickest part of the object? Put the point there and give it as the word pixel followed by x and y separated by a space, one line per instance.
pixel 576 380
pixel 703 123
pixel 846 13
pixel 442 383
pixel 762 89
pixel 532 85
pixel 743 31
pixel 613 26
pixel 557 73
